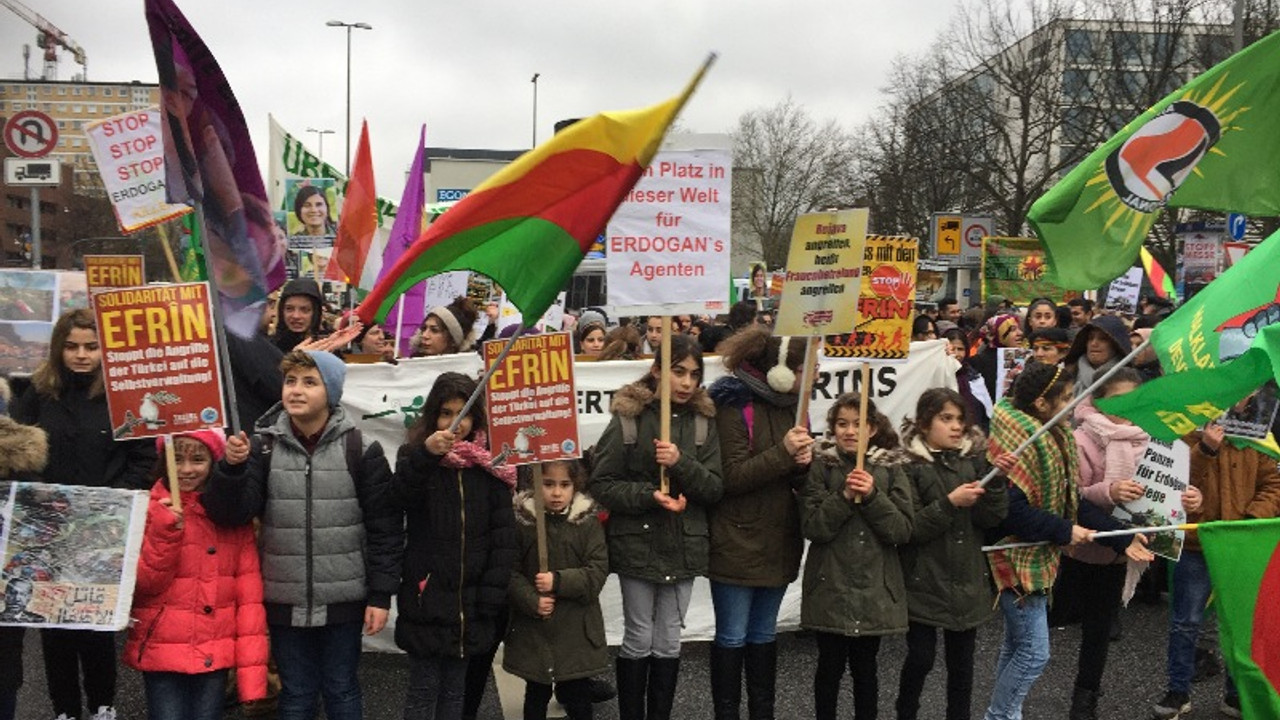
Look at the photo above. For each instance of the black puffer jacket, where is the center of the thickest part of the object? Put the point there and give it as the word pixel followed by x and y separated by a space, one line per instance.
pixel 82 450
pixel 461 549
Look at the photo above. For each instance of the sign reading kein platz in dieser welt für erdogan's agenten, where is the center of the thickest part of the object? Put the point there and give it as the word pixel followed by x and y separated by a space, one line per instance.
pixel 130 154
pixel 824 274
pixel 159 359
pixel 668 242
pixel 532 404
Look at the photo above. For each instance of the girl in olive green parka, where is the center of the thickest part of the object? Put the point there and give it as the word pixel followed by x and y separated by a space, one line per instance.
pixel 658 543
pixel 948 580
pixel 853 587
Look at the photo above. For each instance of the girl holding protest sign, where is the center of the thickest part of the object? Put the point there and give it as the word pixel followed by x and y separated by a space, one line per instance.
pixel 557 629
pixel 658 541
pixel 755 530
pixel 197 608
pixel 68 401
pixel 460 550
pixel 855 516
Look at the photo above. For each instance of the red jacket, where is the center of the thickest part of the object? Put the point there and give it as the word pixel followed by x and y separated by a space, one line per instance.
pixel 197 606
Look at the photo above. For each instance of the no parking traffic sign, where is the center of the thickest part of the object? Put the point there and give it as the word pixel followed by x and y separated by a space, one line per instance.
pixel 30 134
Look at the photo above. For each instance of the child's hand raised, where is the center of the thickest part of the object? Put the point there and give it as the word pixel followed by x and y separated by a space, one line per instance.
pixel 858 483
pixel 546 606
pixel 1192 499
pixel 1137 550
pixel 440 442
pixel 966 495
pixel 237 448
pixel 544 582
pixel 177 514
pixel 670 504
pixel 1005 461
pixel 667 454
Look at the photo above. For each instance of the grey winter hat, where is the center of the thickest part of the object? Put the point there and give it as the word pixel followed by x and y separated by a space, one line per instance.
pixel 333 372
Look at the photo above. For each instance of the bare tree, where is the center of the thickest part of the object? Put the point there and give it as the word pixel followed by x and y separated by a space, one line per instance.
pixel 786 164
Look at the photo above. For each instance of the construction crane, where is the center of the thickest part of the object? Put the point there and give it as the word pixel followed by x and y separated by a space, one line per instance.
pixel 49 38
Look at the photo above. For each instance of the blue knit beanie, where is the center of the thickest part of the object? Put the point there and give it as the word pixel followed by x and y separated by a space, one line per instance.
pixel 332 371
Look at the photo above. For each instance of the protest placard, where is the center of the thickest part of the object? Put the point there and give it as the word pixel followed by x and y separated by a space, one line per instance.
pixel 113 271
pixel 531 401
pixel 668 242
pixel 1253 415
pixel 70 554
pixel 1009 364
pixel 885 302
pixel 160 360
pixel 1163 473
pixel 824 274
pixel 1122 293
pixel 129 151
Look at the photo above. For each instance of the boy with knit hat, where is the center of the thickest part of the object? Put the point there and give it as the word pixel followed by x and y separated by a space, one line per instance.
pixel 332 539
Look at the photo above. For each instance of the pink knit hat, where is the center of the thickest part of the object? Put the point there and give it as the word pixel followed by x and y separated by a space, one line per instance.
pixel 215 439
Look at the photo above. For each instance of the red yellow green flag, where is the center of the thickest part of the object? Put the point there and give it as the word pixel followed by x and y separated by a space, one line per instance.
pixel 1244 565
pixel 1161 283
pixel 528 226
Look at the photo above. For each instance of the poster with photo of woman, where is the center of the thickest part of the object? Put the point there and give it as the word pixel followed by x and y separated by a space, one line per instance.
pixel 313 211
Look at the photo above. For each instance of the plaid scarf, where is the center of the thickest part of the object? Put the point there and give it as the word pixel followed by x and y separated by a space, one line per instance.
pixel 1046 472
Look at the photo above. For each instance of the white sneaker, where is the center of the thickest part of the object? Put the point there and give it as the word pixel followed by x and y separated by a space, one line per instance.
pixel 62 716
pixel 104 713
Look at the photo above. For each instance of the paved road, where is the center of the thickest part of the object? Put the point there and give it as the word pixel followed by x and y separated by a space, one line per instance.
pixel 1134 679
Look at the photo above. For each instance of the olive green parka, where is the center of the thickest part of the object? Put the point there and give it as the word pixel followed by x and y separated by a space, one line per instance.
pixel 947 575
pixel 647 542
pixel 852 578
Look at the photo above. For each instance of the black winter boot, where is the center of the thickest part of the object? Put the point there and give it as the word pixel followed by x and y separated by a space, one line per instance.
pixel 726 681
pixel 633 679
pixel 663 673
pixel 762 674
pixel 1084 704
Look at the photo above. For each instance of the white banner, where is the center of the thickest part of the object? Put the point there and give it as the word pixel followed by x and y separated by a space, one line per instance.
pixel 130 157
pixel 384 399
pixel 670 238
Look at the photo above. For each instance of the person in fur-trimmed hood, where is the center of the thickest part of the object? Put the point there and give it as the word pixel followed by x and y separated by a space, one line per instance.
pixel 557 629
pixel 24 450
pixel 947 577
pixel 658 542
pixel 854 519
pixel 755 530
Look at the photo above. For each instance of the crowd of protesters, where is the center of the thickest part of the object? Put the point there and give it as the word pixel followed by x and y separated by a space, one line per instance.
pixel 894 545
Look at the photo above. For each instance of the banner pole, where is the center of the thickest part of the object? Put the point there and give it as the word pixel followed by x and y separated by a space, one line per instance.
pixel 171 464
pixel 1066 411
pixel 219 323
pixel 664 400
pixel 484 379
pixel 1100 534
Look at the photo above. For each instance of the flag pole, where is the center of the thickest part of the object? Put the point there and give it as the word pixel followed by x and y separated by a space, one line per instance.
pixel 484 379
pixel 1066 411
pixel 1096 535
pixel 399 322
pixel 219 322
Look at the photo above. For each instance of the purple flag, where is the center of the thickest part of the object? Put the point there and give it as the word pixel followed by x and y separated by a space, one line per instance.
pixel 407 227
pixel 209 160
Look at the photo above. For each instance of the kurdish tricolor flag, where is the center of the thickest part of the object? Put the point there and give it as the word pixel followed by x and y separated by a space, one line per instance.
pixel 1160 280
pixel 1244 565
pixel 1212 145
pixel 528 226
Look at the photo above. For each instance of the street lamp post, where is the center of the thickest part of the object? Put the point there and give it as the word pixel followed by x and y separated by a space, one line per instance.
pixel 349 26
pixel 535 109
pixel 320 139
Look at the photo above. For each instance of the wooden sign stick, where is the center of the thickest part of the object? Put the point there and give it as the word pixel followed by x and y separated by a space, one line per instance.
pixel 864 393
pixel 540 512
pixel 171 464
pixel 664 399
pixel 806 380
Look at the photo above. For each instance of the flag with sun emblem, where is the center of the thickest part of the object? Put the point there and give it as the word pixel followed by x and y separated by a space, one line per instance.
pixel 1014 268
pixel 1211 145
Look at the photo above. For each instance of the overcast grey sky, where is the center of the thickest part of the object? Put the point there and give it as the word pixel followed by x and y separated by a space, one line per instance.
pixel 464 68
